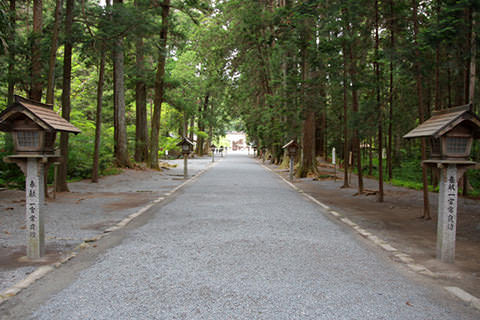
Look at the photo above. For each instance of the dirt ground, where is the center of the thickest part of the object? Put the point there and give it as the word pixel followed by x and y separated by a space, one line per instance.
pixel 397 221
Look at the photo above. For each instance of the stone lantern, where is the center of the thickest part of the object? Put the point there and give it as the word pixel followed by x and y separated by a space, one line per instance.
pixel 450 134
pixel 292 149
pixel 264 153
pixel 34 127
pixel 212 148
pixel 187 147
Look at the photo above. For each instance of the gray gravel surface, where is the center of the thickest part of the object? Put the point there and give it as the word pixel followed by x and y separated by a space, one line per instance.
pixel 82 213
pixel 239 244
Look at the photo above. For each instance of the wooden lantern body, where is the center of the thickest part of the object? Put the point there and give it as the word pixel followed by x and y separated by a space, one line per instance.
pixel 457 143
pixel 292 148
pixel 30 138
pixel 186 145
pixel 450 133
pixel 33 126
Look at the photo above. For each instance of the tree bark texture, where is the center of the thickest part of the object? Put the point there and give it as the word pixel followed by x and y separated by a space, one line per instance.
pixel 67 78
pixel 426 205
pixel 353 79
pixel 121 149
pixel 53 53
pixel 36 80
pixel 159 87
pixel 345 119
pixel 308 137
pixel 11 51
pixel 141 127
pixel 380 110
pixel 203 109
pixel 98 120
pixel 390 96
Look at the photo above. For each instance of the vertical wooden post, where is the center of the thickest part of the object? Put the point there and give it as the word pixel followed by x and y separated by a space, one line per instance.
pixel 35 197
pixel 447 214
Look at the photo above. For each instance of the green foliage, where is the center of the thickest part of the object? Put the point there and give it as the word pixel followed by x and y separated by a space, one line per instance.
pixel 168 144
pixel 10 174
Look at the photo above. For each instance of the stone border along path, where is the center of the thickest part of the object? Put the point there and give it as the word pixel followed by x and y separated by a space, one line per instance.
pixel 400 256
pixel 42 271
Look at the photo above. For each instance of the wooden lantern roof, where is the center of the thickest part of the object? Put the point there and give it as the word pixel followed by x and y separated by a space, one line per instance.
pixel 291 143
pixel 443 121
pixel 40 113
pixel 184 141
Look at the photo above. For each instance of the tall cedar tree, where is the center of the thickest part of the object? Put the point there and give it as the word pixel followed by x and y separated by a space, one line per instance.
pixel 421 110
pixel 53 53
pixel 66 107
pixel 11 52
pixel 120 125
pixel 159 87
pixel 141 127
pixel 36 78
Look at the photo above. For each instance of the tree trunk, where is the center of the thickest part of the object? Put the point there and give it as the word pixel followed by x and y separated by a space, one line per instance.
pixel 391 92
pixel 36 80
pixel 370 157
pixel 380 111
pixel 159 87
pixel 121 149
pixel 307 163
pixel 192 128
pixel 473 65
pixel 353 76
pixel 419 80
pixel 98 120
pixel 141 127
pixel 53 53
pixel 11 52
pixel 437 63
pixel 67 77
pixel 345 120
pixel 472 77
pixel 203 109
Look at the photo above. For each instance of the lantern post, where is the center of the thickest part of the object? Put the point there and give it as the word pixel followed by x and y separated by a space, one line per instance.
pixel 292 149
pixel 187 147
pixel 212 148
pixel 334 162
pixel 34 126
pixel 450 133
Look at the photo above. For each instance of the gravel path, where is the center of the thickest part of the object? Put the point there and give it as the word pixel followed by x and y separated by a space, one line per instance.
pixel 240 244
pixel 82 213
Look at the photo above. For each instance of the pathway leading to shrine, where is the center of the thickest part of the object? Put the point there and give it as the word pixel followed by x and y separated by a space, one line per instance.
pixel 238 243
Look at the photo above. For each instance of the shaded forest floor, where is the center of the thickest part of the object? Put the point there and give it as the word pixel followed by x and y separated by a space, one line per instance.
pixel 397 222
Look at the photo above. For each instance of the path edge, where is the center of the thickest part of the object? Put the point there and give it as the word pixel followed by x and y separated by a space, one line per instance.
pixel 42 271
pixel 399 255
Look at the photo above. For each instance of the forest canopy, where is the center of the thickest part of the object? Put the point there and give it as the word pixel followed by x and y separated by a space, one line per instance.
pixel 136 76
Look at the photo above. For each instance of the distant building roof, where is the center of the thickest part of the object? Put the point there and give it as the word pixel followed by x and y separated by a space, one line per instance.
pixel 445 120
pixel 40 113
